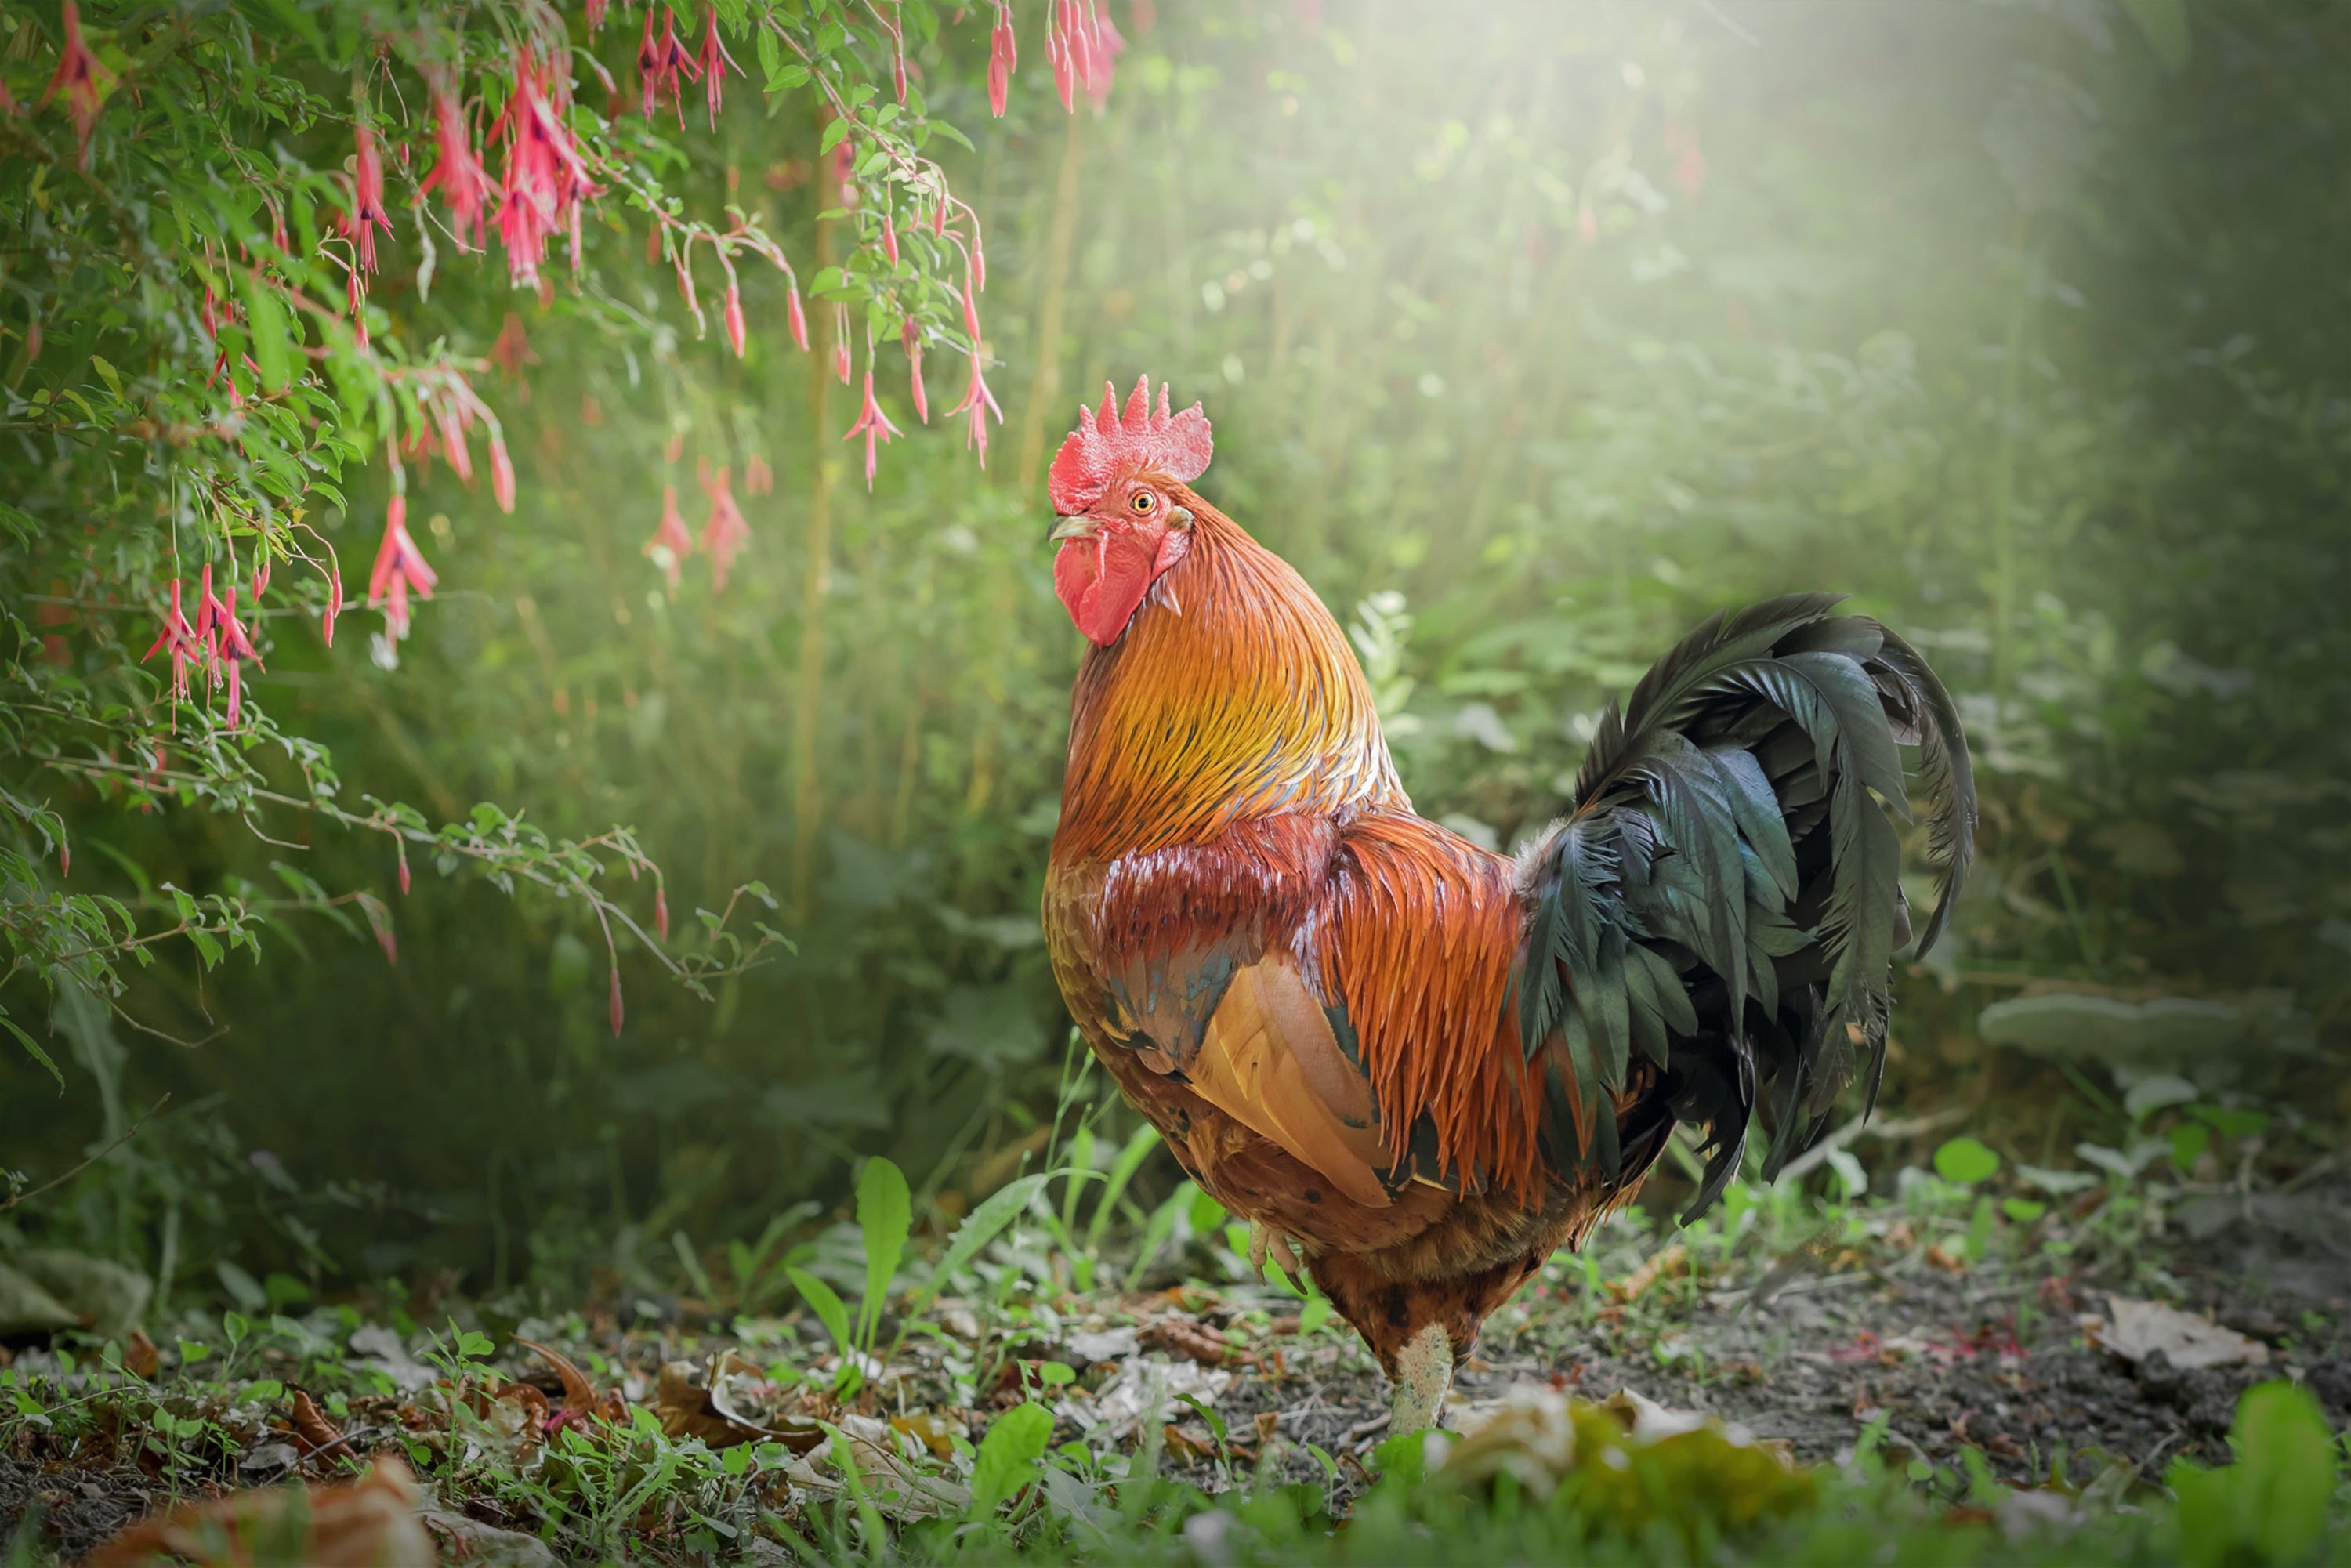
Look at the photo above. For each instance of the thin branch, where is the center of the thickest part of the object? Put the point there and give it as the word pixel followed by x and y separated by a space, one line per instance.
pixel 59 1181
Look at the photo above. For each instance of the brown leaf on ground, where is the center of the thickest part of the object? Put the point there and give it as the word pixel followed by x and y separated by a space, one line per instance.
pixel 1950 1262
pixel 2135 1330
pixel 581 1401
pixel 140 1353
pixel 1181 1336
pixel 689 1409
pixel 318 1436
pixel 1671 1263
pixel 372 1524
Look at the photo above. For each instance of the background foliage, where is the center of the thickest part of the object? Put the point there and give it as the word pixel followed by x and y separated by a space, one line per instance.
pixel 1530 337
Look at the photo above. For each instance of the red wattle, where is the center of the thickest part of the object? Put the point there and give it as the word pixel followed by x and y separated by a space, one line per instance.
pixel 1102 582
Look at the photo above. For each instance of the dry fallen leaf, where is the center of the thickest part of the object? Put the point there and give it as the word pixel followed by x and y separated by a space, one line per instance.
pixel 139 1354
pixel 2136 1330
pixel 1181 1336
pixel 1950 1262
pixel 372 1524
pixel 581 1401
pixel 317 1436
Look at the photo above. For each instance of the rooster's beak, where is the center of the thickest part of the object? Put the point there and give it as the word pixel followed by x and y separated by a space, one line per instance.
pixel 1073 527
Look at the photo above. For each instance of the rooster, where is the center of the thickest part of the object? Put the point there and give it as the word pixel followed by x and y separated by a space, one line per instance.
pixel 1416 1066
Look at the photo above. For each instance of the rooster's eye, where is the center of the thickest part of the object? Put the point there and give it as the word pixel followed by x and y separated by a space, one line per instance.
pixel 1144 503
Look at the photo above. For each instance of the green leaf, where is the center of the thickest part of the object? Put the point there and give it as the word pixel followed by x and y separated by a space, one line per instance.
pixel 1963 1161
pixel 2189 1140
pixel 886 1213
pixel 827 1306
pixel 39 1055
pixel 2023 1210
pixel 1314 1314
pixel 834 134
pixel 266 320
pixel 1008 1454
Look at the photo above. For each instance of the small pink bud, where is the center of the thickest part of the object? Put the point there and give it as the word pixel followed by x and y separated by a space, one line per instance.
pixel 502 475
pixel 889 239
pixel 64 859
pixel 660 914
pixel 734 316
pixel 616 1001
pixel 334 604
pixel 799 320
pixel 403 870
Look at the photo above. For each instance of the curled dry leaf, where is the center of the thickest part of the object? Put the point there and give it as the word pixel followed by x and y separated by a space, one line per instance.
pixel 317 1438
pixel 140 1355
pixel 581 1402
pixel 694 1403
pixel 372 1524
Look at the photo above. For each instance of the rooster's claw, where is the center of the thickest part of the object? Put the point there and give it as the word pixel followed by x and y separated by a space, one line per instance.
pixel 1264 1239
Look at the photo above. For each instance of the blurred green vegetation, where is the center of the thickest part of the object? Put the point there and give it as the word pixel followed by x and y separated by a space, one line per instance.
pixel 1531 334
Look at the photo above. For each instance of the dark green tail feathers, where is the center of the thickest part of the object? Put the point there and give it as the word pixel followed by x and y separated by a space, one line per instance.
pixel 1723 899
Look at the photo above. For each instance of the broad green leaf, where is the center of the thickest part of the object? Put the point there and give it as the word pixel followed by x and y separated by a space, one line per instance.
pixel 1008 1454
pixel 266 319
pixel 1963 1161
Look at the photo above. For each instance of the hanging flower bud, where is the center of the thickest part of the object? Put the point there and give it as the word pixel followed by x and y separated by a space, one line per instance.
pixel 841 343
pixel 334 604
pixel 502 474
pixel 734 315
pixel 182 639
pixel 978 402
pixel 889 239
pixel 400 567
pixel 1003 59
pixel 757 477
pixel 401 849
pixel 661 912
pixel 616 1002
pixel 798 318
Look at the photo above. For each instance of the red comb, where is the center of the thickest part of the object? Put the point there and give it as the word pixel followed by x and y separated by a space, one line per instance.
pixel 1107 443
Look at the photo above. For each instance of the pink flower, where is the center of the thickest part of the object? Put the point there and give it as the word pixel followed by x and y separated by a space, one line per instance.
pixel 659 65
pixel 757 477
pixel 235 647
pixel 872 423
pixel 841 343
pixel 798 319
pixel 367 213
pixel 889 239
pixel 545 179
pixel 512 351
pixel 596 15
pixel 1003 57
pixel 978 402
pixel 732 316
pixel 724 532
pixel 81 78
pixel 661 912
pixel 670 543
pixel 715 61
pixel 180 638
pixel 334 604
pixel 459 176
pixel 398 566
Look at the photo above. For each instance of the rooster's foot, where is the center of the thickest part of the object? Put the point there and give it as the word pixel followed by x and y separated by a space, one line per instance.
pixel 1265 1239
pixel 1423 1376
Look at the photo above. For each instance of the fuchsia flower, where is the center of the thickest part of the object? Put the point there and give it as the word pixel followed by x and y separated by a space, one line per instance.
pixel 724 532
pixel 545 179
pixel 400 567
pixel 367 213
pixel 459 176
pixel 978 402
pixel 1003 57
pixel 1083 47
pixel 872 423
pixel 234 647
pixel 841 343
pixel 670 544
pixel 659 65
pixel 180 638
pixel 889 239
pixel 334 604
pixel 757 477
pixel 715 61
pixel 798 318
pixel 595 15
pixel 81 78
pixel 512 351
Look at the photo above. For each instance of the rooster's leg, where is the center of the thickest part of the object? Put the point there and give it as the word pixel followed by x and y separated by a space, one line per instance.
pixel 1264 1239
pixel 1424 1375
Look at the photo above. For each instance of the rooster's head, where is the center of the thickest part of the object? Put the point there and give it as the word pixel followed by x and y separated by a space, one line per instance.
pixel 1120 522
